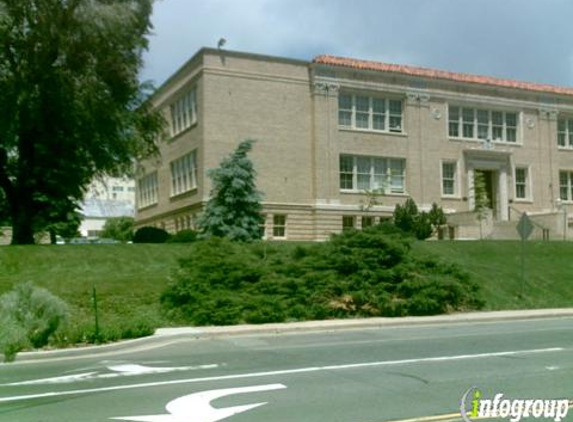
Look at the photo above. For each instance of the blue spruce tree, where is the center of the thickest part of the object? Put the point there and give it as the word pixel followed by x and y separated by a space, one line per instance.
pixel 234 207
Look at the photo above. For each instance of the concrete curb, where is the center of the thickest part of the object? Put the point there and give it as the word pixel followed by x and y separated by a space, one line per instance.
pixel 165 334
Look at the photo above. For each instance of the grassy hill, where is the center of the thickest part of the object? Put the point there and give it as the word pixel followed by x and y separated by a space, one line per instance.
pixel 496 266
pixel 130 278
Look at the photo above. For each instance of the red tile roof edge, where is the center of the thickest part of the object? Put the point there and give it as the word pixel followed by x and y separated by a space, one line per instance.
pixel 439 74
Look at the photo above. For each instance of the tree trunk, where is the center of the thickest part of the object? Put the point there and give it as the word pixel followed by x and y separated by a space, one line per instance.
pixel 22 225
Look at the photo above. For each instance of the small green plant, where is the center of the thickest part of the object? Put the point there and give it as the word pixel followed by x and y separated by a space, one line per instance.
pixel 423 224
pixel 183 236
pixel 30 316
pixel 150 235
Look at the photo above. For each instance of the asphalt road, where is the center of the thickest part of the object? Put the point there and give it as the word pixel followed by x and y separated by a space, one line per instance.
pixel 359 375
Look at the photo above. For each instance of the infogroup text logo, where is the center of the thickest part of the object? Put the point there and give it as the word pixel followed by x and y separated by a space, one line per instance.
pixel 474 405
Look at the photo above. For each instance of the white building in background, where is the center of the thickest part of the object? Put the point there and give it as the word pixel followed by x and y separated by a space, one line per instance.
pixel 106 198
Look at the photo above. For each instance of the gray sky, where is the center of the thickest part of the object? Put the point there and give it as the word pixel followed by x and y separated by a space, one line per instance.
pixel 530 40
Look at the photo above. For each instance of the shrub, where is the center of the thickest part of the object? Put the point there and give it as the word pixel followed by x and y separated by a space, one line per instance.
pixel 183 236
pixel 372 272
pixel 32 316
pixel 118 228
pixel 150 235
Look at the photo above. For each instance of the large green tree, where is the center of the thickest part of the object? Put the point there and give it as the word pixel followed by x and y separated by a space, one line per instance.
pixel 234 209
pixel 71 105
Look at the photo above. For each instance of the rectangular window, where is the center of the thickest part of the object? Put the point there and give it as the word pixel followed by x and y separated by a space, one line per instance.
pixel 279 225
pixel 565 133
pixel 348 222
pixel 521 182
pixel 184 112
pixel 147 190
pixel 565 178
pixel 369 113
pixel 184 174
pixel 372 173
pixel 448 178
pixel 367 221
pixel 482 124
pixel 117 188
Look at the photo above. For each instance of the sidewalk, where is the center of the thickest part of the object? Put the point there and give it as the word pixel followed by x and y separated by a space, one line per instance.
pixel 168 335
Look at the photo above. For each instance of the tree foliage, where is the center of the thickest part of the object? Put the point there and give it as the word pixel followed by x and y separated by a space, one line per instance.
pixel 71 105
pixel 118 228
pixel 234 209
pixel 423 224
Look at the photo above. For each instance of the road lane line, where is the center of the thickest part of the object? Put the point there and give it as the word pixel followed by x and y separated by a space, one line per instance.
pixel 280 372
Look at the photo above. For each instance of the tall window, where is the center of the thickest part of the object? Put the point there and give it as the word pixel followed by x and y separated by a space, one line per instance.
pixel 449 178
pixel 565 184
pixel 565 133
pixel 184 174
pixel 372 173
pixel 521 183
pixel 369 113
pixel 184 112
pixel 147 190
pixel 470 123
pixel 279 225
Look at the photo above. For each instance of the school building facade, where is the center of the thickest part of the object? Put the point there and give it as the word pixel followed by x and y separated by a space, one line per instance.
pixel 339 142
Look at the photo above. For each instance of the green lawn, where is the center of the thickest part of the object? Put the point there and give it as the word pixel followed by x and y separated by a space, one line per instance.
pixel 130 278
pixel 496 266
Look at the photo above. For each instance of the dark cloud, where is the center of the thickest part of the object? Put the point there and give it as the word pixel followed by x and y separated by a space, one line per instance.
pixel 520 39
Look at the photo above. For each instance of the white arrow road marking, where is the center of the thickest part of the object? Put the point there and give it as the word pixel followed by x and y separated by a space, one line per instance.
pixel 197 407
pixel 305 370
pixel 125 370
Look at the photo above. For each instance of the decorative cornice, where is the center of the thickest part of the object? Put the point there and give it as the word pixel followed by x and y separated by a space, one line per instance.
pixel 326 88
pixel 548 113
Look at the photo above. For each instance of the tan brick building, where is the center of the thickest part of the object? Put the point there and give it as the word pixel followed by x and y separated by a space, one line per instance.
pixel 339 142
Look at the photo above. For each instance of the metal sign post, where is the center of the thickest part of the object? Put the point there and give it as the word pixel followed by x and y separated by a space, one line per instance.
pixel 524 228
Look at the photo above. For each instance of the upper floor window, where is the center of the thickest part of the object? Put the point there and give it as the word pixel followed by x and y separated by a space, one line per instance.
pixel 184 174
pixel 369 113
pixel 184 112
pixel 565 133
pixel 147 190
pixel 372 173
pixel 471 123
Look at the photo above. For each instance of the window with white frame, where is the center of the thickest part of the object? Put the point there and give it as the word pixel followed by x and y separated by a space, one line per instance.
pixel 565 184
pixel 472 123
pixel 369 113
pixel 184 174
pixel 449 178
pixel 565 133
pixel 147 190
pixel 372 173
pixel 521 178
pixel 279 225
pixel 184 112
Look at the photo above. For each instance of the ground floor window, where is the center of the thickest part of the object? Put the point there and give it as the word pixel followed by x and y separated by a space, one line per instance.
pixel 565 181
pixel 449 178
pixel 372 173
pixel 521 183
pixel 367 221
pixel 348 222
pixel 279 225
